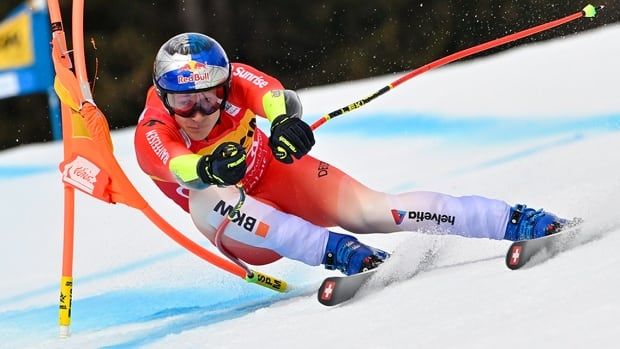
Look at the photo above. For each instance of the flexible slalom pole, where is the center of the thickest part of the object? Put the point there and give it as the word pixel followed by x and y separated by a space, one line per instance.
pixel 66 279
pixel 72 93
pixel 589 12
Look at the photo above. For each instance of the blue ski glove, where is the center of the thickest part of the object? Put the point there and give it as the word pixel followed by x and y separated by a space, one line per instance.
pixel 290 137
pixel 225 166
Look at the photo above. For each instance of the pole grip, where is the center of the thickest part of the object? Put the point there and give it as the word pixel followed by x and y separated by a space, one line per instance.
pixel 267 281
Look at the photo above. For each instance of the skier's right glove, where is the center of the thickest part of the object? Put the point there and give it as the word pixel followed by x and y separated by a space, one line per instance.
pixel 225 166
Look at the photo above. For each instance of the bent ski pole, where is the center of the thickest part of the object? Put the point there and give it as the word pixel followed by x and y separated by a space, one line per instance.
pixel 589 11
pixel 252 276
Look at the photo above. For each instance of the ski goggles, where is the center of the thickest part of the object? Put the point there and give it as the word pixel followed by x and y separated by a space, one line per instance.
pixel 187 104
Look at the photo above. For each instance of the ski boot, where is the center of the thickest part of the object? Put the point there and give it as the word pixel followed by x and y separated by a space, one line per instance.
pixel 526 223
pixel 347 254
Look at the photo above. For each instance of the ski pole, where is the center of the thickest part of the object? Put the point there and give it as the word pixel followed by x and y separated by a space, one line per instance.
pixel 589 11
pixel 252 276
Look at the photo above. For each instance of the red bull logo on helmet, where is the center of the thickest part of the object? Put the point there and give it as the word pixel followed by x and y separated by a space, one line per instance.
pixel 198 72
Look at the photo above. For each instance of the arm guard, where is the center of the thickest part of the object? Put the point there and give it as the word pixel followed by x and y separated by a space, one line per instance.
pixel 184 169
pixel 282 102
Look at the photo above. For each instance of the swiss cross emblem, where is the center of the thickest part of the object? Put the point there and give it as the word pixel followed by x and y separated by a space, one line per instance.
pixel 515 255
pixel 328 290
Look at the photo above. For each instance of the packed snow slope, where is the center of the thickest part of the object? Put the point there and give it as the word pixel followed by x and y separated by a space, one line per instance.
pixel 538 124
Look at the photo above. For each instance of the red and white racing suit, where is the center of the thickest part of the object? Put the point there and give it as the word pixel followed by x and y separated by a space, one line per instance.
pixel 289 205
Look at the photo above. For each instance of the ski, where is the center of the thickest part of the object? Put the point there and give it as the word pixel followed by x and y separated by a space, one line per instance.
pixel 531 252
pixel 338 289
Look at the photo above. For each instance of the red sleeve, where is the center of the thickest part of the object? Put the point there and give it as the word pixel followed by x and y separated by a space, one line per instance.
pixel 157 140
pixel 250 84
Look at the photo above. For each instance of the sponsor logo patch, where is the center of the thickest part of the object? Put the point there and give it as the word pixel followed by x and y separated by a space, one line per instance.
pixel 398 216
pixel 246 75
pixel 231 109
pixel 84 175
pixel 515 255
pixel 243 220
pixel 328 290
pixel 421 216
pixel 194 72
pixel 323 169
pixel 157 145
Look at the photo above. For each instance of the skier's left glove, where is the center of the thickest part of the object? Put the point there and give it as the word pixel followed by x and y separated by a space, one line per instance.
pixel 290 137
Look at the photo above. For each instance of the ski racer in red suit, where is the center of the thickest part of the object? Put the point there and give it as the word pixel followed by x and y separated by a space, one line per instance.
pixel 197 137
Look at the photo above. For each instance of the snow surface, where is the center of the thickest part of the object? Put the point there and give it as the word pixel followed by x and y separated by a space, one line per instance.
pixel 537 125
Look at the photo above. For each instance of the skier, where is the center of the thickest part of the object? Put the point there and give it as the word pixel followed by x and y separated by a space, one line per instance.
pixel 197 138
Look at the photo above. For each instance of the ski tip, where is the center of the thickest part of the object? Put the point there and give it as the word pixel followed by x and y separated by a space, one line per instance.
pixel 590 11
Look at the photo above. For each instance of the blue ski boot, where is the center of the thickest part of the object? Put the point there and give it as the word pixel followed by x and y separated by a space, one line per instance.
pixel 526 223
pixel 347 254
